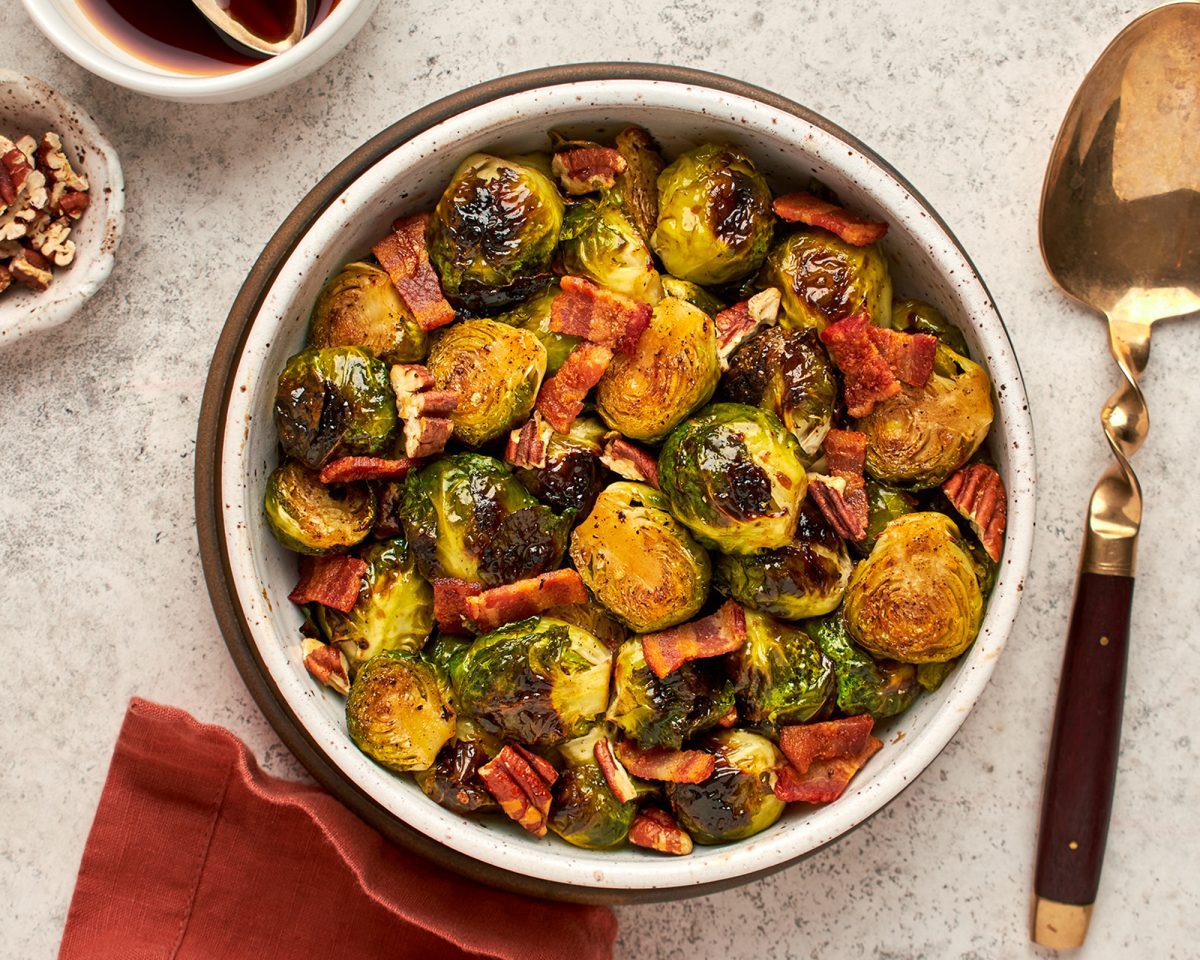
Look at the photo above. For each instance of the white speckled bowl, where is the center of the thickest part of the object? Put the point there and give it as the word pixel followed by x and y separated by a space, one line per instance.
pixel 404 170
pixel 29 106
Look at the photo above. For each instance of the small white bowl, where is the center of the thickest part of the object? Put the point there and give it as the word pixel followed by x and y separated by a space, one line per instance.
pixel 28 106
pixel 71 30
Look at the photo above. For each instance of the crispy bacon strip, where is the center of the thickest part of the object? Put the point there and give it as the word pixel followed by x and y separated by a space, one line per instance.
pixel 842 499
pixel 584 309
pixel 527 444
pixel 426 436
pixel 615 775
pixel 977 492
pixel 868 378
pixel 347 469
pixel 628 460
pixel 812 210
pixel 826 780
pixel 327 664
pixel 560 400
pixel 711 636
pixel 656 829
pixel 741 321
pixel 909 355
pixel 515 601
pixel 834 739
pixel 518 788
pixel 659 763
pixel 330 581
pixel 450 603
pixel 404 256
pixel 582 169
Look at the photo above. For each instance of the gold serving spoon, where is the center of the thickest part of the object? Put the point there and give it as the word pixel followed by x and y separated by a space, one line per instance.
pixel 1120 232
pixel 220 13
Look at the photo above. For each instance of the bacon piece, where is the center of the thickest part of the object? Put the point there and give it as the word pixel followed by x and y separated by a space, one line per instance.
pixel 527 444
pixel 656 829
pixel 711 636
pixel 583 169
pixel 741 321
pixel 868 378
pixel 518 788
pixel 327 664
pixel 560 400
pixel 584 309
pixel 404 256
pixel 347 469
pixel 628 460
pixel 812 210
pixel 804 743
pixel 977 492
pixel 330 581
pixel 826 780
pixel 450 603
pixel 426 436
pixel 615 775
pixel 908 355
pixel 660 763
pixel 515 601
pixel 842 498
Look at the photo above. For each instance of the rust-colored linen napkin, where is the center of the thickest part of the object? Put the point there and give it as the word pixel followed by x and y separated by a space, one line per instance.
pixel 196 854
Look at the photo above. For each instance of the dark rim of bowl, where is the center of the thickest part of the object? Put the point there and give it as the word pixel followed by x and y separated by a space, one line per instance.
pixel 210 438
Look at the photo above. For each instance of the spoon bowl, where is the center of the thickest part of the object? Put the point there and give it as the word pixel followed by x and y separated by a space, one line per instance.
pixel 220 14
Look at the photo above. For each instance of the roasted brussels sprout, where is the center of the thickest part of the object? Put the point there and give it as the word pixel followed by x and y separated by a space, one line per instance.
pixel 824 280
pixel 453 782
pixel 884 504
pixel 673 371
pixel 780 675
pixel 496 369
pixel 735 477
pixel 923 434
pixel 539 681
pixel 494 233
pixel 882 689
pixel 399 711
pixel 714 215
pixel 534 315
pixel 917 316
pixel 593 618
pixel 601 243
pixel 738 800
pixel 917 597
pixel 638 561
pixel 932 675
pixel 807 578
pixel 573 474
pixel 309 517
pixel 394 609
pixel 466 516
pixel 637 188
pixel 664 713
pixel 360 307
pixel 789 373
pixel 331 401
pixel 693 293
pixel 585 812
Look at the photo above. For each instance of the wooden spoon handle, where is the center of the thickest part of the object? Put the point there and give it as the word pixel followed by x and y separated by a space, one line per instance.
pixel 1082 768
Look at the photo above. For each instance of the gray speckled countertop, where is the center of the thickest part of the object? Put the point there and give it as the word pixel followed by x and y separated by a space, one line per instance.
pixel 102 588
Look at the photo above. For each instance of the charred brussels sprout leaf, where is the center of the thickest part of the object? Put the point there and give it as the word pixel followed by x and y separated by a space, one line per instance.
pixel 673 371
pixel 331 401
pixel 534 316
pixel 735 477
pixel 601 243
pixel 394 610
pixel 664 713
pixel 494 232
pixel 539 681
pixel 917 316
pixel 738 800
pixel 309 517
pixel 360 307
pixel 496 369
pixel 573 474
pixel 637 187
pixel 917 597
pixel 453 782
pixel 781 675
pixel 884 504
pixel 466 516
pixel 923 434
pixel 714 216
pixel 693 293
pixel 882 689
pixel 932 675
pixel 824 279
pixel 399 711
pixel 638 561
pixel 585 812
pixel 789 373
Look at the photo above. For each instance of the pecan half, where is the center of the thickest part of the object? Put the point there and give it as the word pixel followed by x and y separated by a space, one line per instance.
pixel 615 775
pixel 522 792
pixel 628 460
pixel 977 492
pixel 327 664
pixel 741 321
pixel 656 829
pixel 587 167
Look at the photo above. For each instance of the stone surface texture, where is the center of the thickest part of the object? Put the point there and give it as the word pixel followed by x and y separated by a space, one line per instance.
pixel 102 590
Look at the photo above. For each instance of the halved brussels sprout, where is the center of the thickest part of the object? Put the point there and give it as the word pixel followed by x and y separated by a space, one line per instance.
pixel 573 474
pixel 453 781
pixel 673 371
pixel 637 188
pixel 600 242
pixel 394 609
pixel 399 711
pixel 360 307
pixel 789 373
pixel 807 578
pixel 780 674
pixel 923 434
pixel 693 293
pixel 738 800
pixel 585 812
pixel 884 504
pixel 496 369
pixel 309 517
pixel 534 315
pixel 735 477
pixel 917 316
pixel 334 401
pixel 714 215
pixel 823 280
pixel 538 681
pixel 916 598
pixel 881 688
pixel 466 516
pixel 494 232
pixel 638 561
pixel 666 712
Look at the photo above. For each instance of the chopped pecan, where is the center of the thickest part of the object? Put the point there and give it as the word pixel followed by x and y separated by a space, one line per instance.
pixel 909 355
pixel 410 378
pixel 977 492
pixel 587 167
pixel 51 239
pixel 560 400
pixel 868 378
pixel 656 829
pixel 405 257
pixel 5 278
pixel 584 309
pixel 330 581
pixel 519 789
pixel 812 210
pixel 805 743
pixel 711 636
pixel 52 160
pixel 8 189
pixel 515 601
pixel 450 603
pixel 527 444
pixel 427 403
pixel 842 498
pixel 327 664
pixel 426 436
pixel 660 763
pixel 71 203
pixel 615 775
pixel 825 780
pixel 628 460
pixel 741 321
pixel 347 469
pixel 31 269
